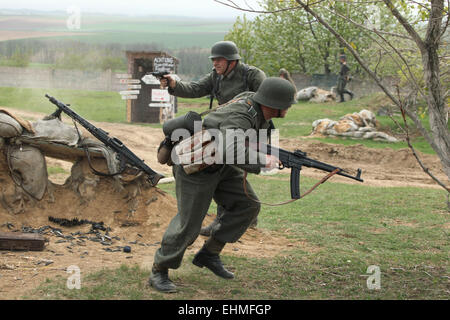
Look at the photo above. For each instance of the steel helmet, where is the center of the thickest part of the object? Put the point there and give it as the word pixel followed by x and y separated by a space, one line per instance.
pixel 275 92
pixel 225 49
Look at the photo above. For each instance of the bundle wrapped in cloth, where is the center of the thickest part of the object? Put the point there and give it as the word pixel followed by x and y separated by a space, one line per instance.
pixel 196 152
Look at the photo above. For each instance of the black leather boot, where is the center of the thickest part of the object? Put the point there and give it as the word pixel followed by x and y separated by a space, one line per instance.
pixel 212 261
pixel 159 279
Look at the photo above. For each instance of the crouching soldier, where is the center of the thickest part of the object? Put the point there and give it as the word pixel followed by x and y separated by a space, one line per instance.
pixel 222 182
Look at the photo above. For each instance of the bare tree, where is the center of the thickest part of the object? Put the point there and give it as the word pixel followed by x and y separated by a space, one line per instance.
pixel 429 37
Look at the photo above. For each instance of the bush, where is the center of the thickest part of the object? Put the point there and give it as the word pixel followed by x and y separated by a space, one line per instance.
pixel 18 59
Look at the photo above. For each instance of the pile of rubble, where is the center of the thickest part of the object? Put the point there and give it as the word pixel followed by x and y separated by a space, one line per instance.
pixel 358 125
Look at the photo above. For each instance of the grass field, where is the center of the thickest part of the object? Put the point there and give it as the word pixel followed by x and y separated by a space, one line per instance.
pixel 347 228
pixel 403 231
pixel 168 32
pixel 109 107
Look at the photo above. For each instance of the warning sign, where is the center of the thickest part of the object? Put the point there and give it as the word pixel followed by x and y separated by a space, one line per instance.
pixel 161 64
pixel 160 95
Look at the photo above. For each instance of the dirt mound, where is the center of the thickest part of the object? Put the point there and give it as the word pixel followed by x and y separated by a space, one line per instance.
pixel 136 216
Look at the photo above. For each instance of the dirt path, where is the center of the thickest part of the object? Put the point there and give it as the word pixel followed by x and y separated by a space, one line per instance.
pixel 142 230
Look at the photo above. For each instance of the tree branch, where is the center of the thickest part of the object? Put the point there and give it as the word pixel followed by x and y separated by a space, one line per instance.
pixel 414 35
pixel 350 48
pixel 408 141
pixel 398 35
pixel 235 6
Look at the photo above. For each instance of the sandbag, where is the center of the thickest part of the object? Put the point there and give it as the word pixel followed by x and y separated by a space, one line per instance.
pixel 321 96
pixel 28 169
pixel 54 130
pixel 9 127
pixel 306 93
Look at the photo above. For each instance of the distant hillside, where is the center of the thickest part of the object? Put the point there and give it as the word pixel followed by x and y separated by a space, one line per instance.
pixel 164 31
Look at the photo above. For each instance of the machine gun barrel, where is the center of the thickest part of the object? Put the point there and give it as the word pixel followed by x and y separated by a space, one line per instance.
pixel 115 144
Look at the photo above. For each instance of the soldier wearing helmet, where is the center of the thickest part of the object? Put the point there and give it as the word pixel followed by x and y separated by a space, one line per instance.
pixel 222 182
pixel 228 78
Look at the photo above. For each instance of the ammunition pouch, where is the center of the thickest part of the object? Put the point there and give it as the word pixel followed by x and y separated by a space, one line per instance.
pixel 164 151
pixel 196 153
pixel 183 122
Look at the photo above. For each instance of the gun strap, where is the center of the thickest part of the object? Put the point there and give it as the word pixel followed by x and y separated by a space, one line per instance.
pixel 328 176
pixel 88 156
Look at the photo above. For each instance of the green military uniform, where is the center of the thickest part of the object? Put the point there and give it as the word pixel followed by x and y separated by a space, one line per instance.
pixel 224 88
pixel 223 183
pixel 241 78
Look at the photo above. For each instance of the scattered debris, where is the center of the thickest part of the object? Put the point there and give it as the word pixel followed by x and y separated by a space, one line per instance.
pixel 75 222
pixel 45 262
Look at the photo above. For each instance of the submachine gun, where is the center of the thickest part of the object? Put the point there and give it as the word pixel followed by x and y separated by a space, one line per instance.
pixel 297 159
pixel 125 156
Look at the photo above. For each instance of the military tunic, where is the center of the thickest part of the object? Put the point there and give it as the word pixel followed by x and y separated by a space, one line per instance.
pixel 221 182
pixel 226 88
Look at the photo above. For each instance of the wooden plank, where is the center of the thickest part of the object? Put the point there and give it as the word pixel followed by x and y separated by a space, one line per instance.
pixel 21 241
pixel 60 151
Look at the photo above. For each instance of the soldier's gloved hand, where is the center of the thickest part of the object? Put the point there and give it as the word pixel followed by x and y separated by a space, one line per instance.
pixel 272 162
pixel 167 79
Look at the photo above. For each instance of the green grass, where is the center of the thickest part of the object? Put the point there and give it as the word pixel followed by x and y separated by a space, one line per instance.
pixel 55 170
pixel 340 230
pixel 109 107
pixel 92 105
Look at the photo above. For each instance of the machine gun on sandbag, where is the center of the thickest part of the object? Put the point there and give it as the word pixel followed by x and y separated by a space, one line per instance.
pixel 126 157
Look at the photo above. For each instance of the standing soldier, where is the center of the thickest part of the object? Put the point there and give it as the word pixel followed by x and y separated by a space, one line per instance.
pixel 343 78
pixel 222 182
pixel 228 78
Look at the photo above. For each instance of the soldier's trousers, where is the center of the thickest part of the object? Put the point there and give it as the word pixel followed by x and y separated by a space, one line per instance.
pixel 341 89
pixel 194 195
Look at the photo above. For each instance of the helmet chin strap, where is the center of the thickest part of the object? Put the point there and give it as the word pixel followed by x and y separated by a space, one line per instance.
pixel 228 66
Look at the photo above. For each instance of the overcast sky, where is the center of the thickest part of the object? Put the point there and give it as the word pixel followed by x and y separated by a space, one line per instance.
pixel 194 8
